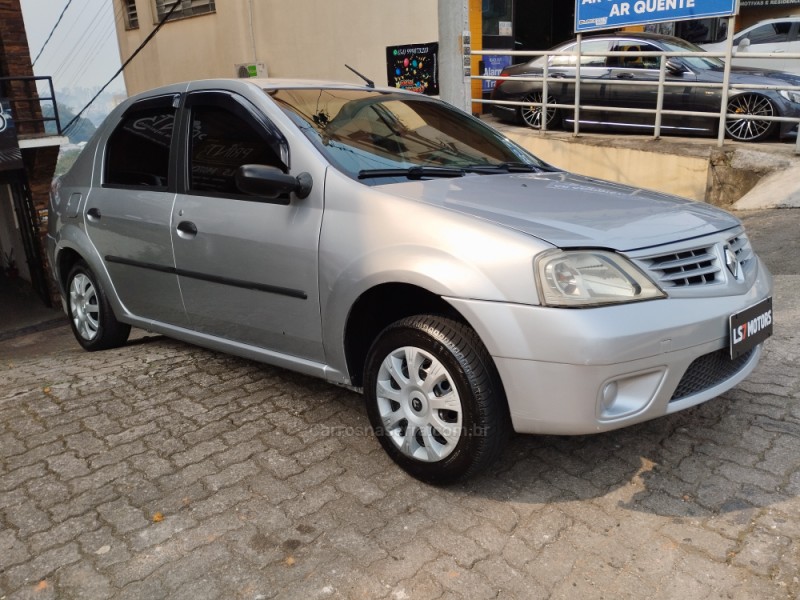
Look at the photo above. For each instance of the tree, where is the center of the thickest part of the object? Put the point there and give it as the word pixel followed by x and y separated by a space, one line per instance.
pixel 81 131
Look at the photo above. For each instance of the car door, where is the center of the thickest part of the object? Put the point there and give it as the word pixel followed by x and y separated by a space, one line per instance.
pixel 247 265
pixel 128 214
pixel 777 36
pixel 646 69
pixel 594 76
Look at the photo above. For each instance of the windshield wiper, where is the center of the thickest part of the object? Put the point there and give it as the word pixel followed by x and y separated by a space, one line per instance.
pixel 414 173
pixel 504 167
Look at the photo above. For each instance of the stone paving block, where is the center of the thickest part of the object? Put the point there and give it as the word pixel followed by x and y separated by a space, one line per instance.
pixel 12 551
pixel 122 516
pixel 363 489
pixel 33 456
pixel 98 478
pixel 19 476
pixel 27 519
pixel 43 565
pixel 83 581
pixel 63 532
pixel 314 475
pixel 231 474
pixel 198 452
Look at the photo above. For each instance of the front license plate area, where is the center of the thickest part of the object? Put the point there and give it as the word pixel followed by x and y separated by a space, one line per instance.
pixel 750 327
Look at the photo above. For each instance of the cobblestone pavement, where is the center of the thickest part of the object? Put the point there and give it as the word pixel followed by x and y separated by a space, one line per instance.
pixel 160 470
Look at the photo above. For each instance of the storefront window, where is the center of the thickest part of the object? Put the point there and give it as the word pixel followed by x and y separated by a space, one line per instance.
pixel 498 16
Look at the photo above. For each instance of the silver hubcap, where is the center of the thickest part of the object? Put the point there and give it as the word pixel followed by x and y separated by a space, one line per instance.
pixel 532 115
pixel 746 129
pixel 418 404
pixel 83 307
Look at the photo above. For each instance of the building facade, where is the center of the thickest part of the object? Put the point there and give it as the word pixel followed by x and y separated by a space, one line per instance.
pixel 28 159
pixel 308 39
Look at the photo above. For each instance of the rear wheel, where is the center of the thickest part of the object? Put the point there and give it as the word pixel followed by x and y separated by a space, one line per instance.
pixel 434 399
pixel 532 115
pixel 748 130
pixel 91 317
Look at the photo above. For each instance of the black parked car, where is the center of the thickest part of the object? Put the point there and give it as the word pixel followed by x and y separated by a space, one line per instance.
pixel 597 71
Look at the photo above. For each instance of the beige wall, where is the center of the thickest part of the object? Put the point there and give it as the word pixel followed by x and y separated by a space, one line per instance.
pixel 294 38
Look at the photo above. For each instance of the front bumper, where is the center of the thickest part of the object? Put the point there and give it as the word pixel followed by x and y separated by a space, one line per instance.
pixel 579 371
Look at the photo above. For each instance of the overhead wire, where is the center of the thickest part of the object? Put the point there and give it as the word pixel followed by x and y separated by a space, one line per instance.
pixel 141 46
pixel 52 31
pixel 83 54
pixel 75 56
pixel 92 52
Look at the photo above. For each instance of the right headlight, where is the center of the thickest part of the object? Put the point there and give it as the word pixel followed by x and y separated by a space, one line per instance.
pixel 581 278
pixel 791 95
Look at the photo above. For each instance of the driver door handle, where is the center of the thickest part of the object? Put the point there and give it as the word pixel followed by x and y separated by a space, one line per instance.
pixel 624 75
pixel 93 214
pixel 187 229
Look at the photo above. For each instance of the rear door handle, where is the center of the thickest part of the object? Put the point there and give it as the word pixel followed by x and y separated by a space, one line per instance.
pixel 187 229
pixel 93 214
pixel 624 75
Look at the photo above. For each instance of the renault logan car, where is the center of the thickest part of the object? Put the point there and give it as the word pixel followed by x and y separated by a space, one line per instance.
pixel 388 242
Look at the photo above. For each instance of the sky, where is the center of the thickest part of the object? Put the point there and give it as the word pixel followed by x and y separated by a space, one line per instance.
pixel 83 52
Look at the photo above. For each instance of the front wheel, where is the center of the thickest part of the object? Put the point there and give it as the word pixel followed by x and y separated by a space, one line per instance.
pixel 748 130
pixel 532 115
pixel 90 314
pixel 434 399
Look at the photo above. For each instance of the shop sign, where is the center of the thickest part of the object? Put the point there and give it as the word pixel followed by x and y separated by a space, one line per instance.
pixel 414 67
pixel 10 154
pixel 492 67
pixel 767 3
pixel 591 15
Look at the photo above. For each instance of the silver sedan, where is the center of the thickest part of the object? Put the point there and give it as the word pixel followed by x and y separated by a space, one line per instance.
pixel 386 241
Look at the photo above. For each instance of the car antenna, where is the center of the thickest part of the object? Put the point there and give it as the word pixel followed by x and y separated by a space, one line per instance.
pixel 370 83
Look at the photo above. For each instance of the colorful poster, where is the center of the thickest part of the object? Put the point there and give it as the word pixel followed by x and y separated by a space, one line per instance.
pixel 492 67
pixel 414 67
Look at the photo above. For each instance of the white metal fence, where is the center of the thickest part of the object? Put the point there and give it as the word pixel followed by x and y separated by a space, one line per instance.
pixel 725 86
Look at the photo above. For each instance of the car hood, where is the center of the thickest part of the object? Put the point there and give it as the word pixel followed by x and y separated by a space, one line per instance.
pixel 570 210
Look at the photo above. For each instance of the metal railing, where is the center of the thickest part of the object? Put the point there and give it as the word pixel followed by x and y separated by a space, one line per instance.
pixel 725 86
pixel 28 96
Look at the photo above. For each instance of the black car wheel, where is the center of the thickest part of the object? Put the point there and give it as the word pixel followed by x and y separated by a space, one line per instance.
pixel 749 130
pixel 91 317
pixel 434 399
pixel 532 115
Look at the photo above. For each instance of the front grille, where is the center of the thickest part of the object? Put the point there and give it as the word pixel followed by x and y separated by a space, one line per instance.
pixel 698 266
pixel 707 371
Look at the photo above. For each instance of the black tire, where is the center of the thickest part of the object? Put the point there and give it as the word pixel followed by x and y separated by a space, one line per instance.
pixel 748 130
pixel 435 445
pixel 531 116
pixel 90 314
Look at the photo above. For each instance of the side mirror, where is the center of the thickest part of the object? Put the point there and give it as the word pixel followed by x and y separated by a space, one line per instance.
pixel 674 67
pixel 744 45
pixel 262 180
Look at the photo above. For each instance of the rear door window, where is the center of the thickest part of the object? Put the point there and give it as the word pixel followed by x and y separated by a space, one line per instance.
pixel 138 151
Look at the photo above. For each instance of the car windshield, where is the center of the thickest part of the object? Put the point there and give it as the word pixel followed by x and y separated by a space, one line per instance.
pixel 369 132
pixel 697 63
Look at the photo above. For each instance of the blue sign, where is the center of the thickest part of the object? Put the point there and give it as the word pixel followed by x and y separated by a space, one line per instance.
pixel 492 67
pixel 609 14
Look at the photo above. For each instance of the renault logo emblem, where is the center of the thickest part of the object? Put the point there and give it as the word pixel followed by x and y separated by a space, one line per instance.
pixel 731 262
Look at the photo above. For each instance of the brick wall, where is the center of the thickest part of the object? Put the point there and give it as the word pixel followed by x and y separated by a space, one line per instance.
pixel 40 163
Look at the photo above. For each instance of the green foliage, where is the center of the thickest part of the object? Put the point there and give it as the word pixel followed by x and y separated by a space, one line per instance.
pixel 81 131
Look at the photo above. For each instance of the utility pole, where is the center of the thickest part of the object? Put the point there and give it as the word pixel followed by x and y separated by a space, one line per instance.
pixel 454 60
